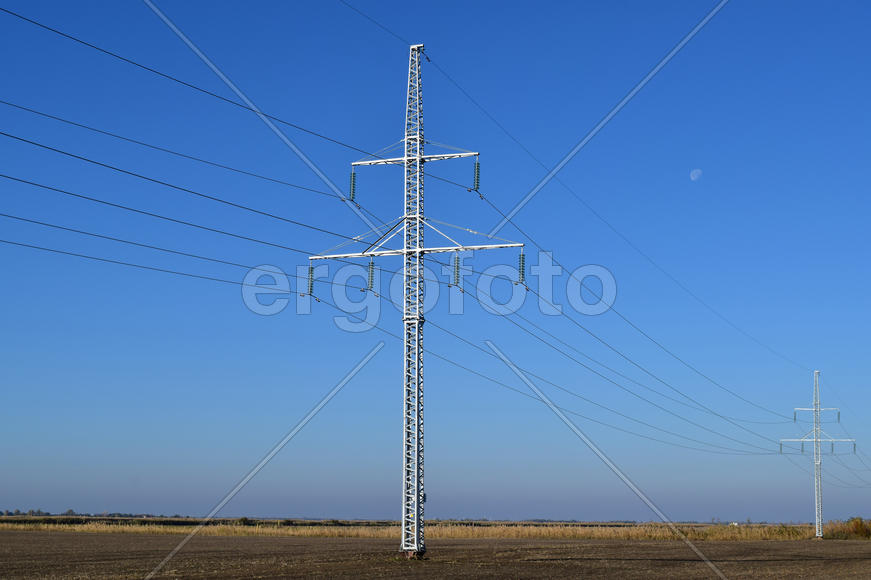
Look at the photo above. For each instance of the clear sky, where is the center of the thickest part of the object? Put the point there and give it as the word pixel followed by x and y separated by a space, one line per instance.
pixel 741 169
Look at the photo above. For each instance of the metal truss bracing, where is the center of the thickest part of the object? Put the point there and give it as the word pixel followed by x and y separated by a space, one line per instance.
pixel 412 226
pixel 413 496
pixel 818 459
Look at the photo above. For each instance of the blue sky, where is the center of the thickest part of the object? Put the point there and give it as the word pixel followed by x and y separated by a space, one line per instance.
pixel 136 391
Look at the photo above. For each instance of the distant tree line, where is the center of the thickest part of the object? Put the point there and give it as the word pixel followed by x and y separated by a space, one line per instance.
pixel 70 512
pixel 27 513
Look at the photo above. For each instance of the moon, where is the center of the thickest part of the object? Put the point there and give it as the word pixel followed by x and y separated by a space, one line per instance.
pixel 695 174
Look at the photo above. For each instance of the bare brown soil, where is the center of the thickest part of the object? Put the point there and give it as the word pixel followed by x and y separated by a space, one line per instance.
pixel 41 554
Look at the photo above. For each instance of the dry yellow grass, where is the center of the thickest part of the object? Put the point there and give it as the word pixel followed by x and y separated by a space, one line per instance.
pixel 216 530
pixel 444 530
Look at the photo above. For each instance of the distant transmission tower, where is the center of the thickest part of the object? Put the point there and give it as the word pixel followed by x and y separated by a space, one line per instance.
pixel 412 226
pixel 817 436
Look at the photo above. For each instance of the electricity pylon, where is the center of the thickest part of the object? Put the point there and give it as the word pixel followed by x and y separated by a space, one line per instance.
pixel 412 226
pixel 816 436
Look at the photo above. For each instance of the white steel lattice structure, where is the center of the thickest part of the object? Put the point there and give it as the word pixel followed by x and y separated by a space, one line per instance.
pixel 816 437
pixel 412 226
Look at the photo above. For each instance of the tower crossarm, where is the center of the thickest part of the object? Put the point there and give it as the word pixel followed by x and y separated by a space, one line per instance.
pixel 795 411
pixel 821 439
pixel 404 251
pixel 423 159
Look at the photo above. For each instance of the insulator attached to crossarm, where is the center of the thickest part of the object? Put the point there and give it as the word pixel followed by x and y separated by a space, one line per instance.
pixel 456 269
pixel 476 182
pixel 311 279
pixel 371 283
pixel 521 268
pixel 353 191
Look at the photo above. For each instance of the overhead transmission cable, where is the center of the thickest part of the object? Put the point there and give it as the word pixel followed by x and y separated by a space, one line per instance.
pixel 574 194
pixel 152 214
pixel 235 103
pixel 170 77
pixel 614 229
pixel 177 80
pixel 635 327
pixel 195 87
pixel 647 371
pixel 625 319
pixel 623 388
pixel 167 150
pixel 150 247
pixel 283 219
pixel 184 155
pixel 730 451
pixel 634 381
pixel 295 222
pixel 843 484
pixel 179 188
pixel 170 219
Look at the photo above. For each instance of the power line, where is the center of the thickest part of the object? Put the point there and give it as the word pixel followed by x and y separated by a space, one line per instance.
pixel 552 346
pixel 660 407
pixel 611 226
pixel 224 233
pixel 120 262
pixel 197 193
pixel 618 313
pixel 170 151
pixel 864 482
pixel 188 156
pixel 641 367
pixel 178 80
pixel 592 210
pixel 378 24
pixel 628 378
pixel 204 91
pixel 222 201
pixel 121 240
pixel 727 451
pixel 632 325
pixel 600 217
pixel 192 86
pixel 215 260
pixel 844 484
pixel 165 218
pixel 695 405
pixel 146 213
pixel 860 452
pixel 154 247
pixel 347 237
pixel 179 188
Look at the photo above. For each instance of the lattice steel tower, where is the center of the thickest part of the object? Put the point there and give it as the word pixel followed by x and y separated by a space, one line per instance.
pixel 816 436
pixel 412 225
pixel 413 496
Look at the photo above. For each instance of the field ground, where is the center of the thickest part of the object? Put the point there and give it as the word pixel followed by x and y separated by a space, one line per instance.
pixel 69 554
